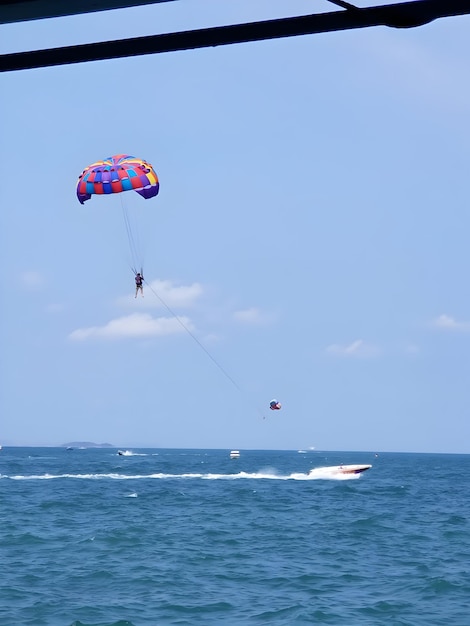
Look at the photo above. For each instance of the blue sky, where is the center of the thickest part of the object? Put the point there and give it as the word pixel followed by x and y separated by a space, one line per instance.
pixel 311 233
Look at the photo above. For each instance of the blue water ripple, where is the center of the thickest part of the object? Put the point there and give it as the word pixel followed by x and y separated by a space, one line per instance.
pixel 90 538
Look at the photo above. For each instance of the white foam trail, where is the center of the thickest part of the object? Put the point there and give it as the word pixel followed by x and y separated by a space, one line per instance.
pixel 130 453
pixel 316 474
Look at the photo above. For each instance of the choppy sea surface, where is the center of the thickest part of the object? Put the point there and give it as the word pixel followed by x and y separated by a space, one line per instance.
pixel 163 537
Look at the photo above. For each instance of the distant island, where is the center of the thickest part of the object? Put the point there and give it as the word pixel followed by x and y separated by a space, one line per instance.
pixel 86 444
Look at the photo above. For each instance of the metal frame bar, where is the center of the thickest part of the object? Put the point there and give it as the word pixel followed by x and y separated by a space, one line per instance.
pixel 401 15
pixel 13 11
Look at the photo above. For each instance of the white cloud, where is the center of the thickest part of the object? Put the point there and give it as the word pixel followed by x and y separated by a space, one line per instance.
pixel 211 338
pixel 164 292
pixel 251 316
pixel 173 295
pixel 446 322
pixel 358 349
pixel 32 279
pixel 137 325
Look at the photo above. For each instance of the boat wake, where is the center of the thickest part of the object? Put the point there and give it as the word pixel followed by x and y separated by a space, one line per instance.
pixel 130 453
pixel 320 473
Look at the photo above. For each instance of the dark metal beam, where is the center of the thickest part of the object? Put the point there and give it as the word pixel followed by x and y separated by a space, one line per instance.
pixel 402 15
pixel 25 10
pixel 344 5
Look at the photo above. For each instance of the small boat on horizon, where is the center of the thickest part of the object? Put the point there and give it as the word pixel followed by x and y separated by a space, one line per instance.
pixel 234 454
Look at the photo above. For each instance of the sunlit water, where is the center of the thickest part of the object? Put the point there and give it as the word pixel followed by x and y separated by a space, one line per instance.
pixel 193 537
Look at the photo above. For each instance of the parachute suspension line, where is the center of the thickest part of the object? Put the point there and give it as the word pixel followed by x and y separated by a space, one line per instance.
pixel 134 270
pixel 193 336
pixel 132 235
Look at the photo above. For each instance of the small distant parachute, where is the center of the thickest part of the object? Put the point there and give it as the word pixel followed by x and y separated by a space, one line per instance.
pixel 274 405
pixel 116 174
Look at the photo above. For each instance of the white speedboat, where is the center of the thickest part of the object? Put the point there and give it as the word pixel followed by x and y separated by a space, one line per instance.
pixel 340 469
pixel 234 454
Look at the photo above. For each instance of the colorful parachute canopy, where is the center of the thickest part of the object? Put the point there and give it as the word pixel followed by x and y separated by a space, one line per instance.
pixel 116 174
pixel 274 405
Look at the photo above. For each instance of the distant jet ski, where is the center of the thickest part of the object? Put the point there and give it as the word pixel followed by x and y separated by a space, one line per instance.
pixel 340 469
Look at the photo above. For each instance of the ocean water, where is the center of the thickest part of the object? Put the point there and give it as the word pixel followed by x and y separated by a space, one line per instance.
pixel 163 537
